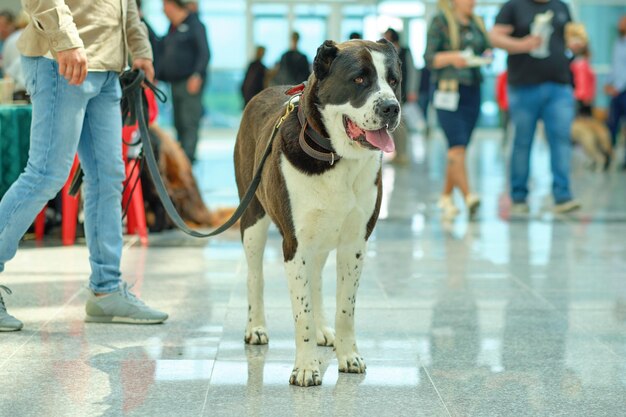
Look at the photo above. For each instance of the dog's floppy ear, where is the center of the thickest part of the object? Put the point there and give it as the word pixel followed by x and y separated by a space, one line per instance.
pixel 386 43
pixel 326 53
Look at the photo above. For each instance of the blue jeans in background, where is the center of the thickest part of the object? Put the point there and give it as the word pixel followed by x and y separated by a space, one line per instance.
pixel 554 104
pixel 617 111
pixel 67 119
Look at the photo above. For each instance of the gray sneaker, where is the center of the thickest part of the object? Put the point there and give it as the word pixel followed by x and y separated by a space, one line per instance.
pixel 8 323
pixel 121 306
pixel 518 209
pixel 566 206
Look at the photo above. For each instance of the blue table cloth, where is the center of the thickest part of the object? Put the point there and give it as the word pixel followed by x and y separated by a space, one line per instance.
pixel 14 143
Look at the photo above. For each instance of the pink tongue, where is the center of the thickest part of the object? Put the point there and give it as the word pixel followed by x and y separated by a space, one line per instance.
pixel 381 139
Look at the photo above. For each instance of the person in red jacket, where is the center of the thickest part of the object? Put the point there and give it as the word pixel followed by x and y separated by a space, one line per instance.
pixel 502 99
pixel 583 77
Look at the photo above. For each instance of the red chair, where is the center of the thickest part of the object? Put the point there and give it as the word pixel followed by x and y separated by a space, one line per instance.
pixel 69 212
pixel 132 197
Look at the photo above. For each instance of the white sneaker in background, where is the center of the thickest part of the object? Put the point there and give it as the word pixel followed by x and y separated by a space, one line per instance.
pixel 472 201
pixel 447 206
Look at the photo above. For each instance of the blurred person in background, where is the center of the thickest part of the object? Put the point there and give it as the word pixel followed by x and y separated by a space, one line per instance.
pixel 11 58
pixel 584 79
pixel 183 60
pixel 293 67
pixel 457 96
pixel 616 87
pixel 592 135
pixel 254 80
pixel 7 26
pixel 191 5
pixel 539 88
pixel 423 97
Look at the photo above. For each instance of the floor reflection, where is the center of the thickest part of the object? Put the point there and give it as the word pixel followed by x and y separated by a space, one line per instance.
pixel 501 316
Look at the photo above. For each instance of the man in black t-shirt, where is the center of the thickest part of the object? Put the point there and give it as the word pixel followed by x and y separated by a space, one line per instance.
pixel 293 67
pixel 533 33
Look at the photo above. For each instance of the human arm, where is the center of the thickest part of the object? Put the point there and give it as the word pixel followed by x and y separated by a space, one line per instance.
pixel 501 37
pixel 203 55
pixel 138 43
pixel 436 55
pixel 54 19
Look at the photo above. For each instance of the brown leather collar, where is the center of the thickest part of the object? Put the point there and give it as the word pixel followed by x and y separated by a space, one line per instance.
pixel 328 155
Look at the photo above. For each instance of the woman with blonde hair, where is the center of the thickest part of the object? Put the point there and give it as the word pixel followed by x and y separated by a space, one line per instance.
pixel 456 45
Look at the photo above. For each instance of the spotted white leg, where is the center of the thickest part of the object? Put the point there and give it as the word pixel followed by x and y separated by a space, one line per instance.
pixel 254 239
pixel 325 335
pixel 306 371
pixel 349 266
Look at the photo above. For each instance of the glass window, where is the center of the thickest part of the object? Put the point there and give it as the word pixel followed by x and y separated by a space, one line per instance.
pixel 417 41
pixel 349 25
pixel 273 33
pixel 401 8
pixel 312 34
pixel 227 39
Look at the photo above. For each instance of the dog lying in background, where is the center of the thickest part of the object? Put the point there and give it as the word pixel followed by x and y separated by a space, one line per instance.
pixel 175 169
pixel 595 139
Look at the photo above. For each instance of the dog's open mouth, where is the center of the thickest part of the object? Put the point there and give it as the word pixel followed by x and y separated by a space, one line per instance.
pixel 372 139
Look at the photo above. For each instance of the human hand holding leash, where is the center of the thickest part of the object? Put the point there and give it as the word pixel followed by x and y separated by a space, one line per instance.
pixel 73 65
pixel 146 66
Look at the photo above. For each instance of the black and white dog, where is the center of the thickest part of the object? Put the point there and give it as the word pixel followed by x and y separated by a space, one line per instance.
pixel 321 186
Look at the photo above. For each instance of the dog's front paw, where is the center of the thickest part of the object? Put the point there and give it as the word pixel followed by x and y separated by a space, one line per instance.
pixel 325 336
pixel 256 336
pixel 351 363
pixel 306 377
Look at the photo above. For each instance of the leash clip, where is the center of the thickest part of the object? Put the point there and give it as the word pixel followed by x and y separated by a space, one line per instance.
pixel 290 107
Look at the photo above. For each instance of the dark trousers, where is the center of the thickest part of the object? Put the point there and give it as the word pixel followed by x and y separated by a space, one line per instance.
pixel 187 114
pixel 617 111
pixel 458 125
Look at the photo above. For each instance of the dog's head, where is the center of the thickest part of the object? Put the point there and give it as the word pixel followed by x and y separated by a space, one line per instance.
pixel 357 84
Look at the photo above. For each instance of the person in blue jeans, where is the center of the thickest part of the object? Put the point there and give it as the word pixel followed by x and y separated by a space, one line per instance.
pixel 539 89
pixel 616 87
pixel 72 56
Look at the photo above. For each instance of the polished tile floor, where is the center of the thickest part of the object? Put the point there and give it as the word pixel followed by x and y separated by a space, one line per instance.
pixel 501 316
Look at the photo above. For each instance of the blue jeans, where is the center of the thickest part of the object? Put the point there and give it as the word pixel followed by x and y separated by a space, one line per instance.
pixel 554 104
pixel 67 119
pixel 617 111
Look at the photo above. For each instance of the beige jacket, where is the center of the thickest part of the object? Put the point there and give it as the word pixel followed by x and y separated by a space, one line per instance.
pixel 107 29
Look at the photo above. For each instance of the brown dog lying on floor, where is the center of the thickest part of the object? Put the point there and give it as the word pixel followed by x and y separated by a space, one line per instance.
pixel 595 139
pixel 181 186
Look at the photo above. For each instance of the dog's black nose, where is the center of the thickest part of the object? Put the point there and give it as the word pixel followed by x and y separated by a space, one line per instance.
pixel 389 108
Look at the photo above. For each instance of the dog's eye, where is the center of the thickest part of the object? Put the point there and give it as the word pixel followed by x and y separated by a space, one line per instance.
pixel 359 80
pixel 393 82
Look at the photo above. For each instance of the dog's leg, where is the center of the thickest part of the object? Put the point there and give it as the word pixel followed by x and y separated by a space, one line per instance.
pixel 306 371
pixel 349 266
pixel 254 238
pixel 325 334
